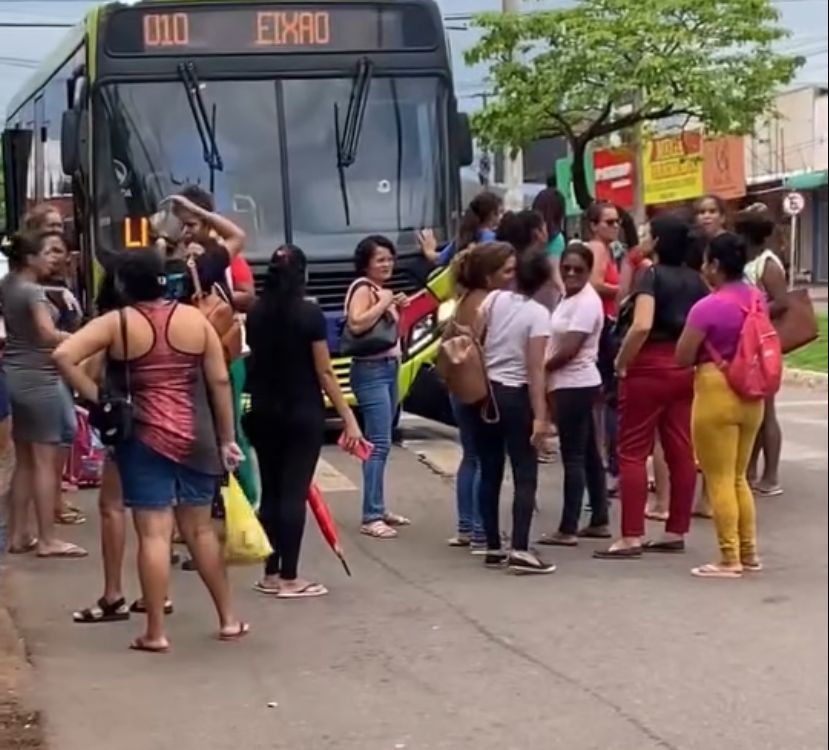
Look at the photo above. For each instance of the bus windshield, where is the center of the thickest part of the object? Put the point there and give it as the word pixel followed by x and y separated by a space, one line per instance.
pixel 270 134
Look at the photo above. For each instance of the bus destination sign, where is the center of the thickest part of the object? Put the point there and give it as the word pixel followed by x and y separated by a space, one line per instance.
pixel 268 29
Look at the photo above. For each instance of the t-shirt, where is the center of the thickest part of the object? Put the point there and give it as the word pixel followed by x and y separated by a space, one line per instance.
pixel 282 379
pixel 581 313
pixel 755 269
pixel 450 250
pixel 675 291
pixel 240 272
pixel 24 351
pixel 720 317
pixel 511 319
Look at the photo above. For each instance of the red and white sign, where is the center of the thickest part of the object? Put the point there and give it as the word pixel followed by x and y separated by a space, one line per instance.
pixel 615 172
pixel 793 204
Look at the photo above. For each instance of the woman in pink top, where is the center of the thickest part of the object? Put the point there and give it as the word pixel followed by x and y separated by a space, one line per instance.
pixel 169 359
pixel 724 425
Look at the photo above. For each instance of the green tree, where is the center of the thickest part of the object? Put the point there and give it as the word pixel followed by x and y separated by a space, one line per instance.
pixel 603 66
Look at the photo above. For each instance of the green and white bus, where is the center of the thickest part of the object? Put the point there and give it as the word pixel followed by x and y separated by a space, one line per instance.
pixel 314 123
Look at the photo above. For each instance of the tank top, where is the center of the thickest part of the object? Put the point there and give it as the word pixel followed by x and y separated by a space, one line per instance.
pixel 611 277
pixel 171 406
pixel 393 352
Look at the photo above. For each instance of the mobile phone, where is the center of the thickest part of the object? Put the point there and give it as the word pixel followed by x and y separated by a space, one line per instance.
pixel 362 450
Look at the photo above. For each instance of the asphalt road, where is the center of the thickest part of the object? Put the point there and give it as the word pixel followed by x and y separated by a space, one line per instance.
pixel 424 650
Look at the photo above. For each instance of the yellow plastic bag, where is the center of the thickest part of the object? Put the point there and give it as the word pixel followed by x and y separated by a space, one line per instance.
pixel 245 540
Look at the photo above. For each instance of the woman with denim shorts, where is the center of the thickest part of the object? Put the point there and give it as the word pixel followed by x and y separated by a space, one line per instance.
pixel 374 378
pixel 180 446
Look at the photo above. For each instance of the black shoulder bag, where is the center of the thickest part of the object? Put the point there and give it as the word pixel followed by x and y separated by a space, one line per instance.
pixel 381 337
pixel 113 416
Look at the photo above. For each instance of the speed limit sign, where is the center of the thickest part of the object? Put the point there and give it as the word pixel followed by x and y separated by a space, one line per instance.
pixel 793 204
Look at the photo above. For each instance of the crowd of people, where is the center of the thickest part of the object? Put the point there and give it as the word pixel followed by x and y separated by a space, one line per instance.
pixel 614 343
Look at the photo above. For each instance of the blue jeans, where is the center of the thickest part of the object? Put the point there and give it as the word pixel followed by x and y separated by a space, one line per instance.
pixel 374 382
pixel 468 479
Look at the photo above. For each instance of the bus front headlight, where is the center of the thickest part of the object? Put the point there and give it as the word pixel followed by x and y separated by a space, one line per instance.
pixel 423 333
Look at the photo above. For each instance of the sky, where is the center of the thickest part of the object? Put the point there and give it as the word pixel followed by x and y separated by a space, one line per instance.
pixel 23 48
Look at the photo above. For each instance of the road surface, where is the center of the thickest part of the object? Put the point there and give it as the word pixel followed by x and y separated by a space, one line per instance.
pixel 425 650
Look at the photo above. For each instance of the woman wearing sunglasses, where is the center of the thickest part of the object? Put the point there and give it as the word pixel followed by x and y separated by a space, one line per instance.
pixel 574 382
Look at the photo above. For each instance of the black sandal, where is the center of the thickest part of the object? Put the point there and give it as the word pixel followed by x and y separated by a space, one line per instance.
pixel 671 547
pixel 138 607
pixel 103 611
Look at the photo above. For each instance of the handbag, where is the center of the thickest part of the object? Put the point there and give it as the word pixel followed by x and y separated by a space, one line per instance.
pixel 113 415
pixel 797 326
pixel 462 366
pixel 218 309
pixel 381 337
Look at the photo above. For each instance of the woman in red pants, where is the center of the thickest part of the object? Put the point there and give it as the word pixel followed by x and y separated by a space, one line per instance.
pixel 655 394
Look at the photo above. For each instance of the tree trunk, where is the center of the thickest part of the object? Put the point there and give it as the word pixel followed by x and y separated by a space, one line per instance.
pixel 580 188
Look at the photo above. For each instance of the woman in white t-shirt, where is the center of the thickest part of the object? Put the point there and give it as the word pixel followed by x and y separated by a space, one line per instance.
pixel 574 382
pixel 517 329
pixel 765 271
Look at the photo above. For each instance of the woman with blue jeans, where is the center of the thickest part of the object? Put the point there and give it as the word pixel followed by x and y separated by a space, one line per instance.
pixel 374 378
pixel 476 272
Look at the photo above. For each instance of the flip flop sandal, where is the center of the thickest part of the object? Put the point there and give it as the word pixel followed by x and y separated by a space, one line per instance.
pixel 103 611
pixel 623 553
pixel 71 551
pixel 140 645
pixel 754 567
pixel 238 634
pixel 262 589
pixel 70 517
pixel 667 547
pixel 768 491
pixel 378 530
pixel 592 532
pixel 393 519
pixel 459 541
pixel 653 515
pixel 306 592
pixel 715 571
pixel 30 546
pixel 139 608
pixel 554 540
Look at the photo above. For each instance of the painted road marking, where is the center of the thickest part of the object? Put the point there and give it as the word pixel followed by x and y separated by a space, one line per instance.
pixel 329 479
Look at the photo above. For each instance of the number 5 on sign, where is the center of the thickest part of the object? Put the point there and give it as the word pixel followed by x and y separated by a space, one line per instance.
pixel 793 204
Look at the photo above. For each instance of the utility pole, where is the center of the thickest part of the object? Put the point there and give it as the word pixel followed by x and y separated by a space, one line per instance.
pixel 513 164
pixel 639 208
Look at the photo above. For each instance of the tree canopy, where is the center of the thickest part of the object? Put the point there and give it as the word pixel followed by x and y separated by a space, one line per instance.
pixel 602 66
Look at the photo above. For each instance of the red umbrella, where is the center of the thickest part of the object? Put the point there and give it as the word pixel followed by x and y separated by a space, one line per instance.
pixel 326 523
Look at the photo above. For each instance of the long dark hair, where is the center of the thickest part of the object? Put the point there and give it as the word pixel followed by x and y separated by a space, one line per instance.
pixel 550 204
pixel 482 208
pixel 285 278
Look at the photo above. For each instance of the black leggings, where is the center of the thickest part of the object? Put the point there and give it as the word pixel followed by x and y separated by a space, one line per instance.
pixel 581 457
pixel 287 454
pixel 512 434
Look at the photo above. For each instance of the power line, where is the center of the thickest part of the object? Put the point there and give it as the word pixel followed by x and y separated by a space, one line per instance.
pixel 35 25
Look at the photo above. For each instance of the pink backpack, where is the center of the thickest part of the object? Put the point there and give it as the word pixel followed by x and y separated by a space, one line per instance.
pixel 756 370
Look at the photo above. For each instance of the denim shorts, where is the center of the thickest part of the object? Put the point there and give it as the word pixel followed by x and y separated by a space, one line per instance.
pixel 151 481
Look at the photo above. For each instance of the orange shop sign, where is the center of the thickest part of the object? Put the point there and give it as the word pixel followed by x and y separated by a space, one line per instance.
pixel 724 167
pixel 673 168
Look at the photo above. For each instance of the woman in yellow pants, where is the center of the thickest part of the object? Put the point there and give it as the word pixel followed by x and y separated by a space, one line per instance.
pixel 724 425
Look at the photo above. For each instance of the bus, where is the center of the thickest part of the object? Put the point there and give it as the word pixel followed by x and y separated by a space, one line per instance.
pixel 312 123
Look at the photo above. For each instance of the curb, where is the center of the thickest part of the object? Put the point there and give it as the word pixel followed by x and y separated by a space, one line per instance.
pixel 818 381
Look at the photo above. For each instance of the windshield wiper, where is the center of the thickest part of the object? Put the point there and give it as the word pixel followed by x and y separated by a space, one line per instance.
pixel 348 137
pixel 206 126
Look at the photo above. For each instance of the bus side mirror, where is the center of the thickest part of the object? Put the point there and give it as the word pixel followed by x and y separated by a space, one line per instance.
pixel 70 141
pixel 463 140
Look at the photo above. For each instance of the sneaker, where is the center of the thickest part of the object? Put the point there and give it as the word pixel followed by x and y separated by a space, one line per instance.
pixel 525 562
pixel 495 558
pixel 477 548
